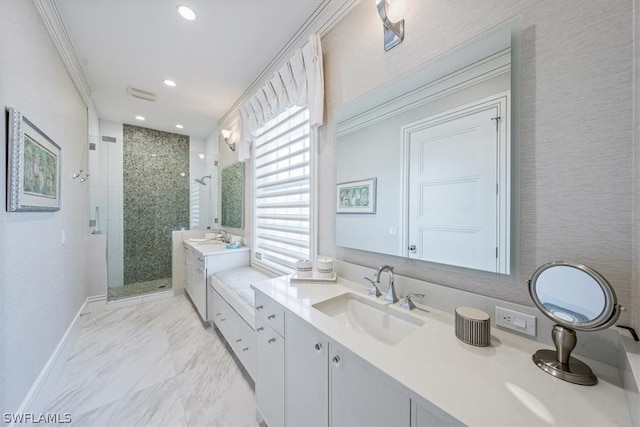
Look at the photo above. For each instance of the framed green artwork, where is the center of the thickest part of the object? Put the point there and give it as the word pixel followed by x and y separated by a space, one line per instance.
pixel 33 167
pixel 356 197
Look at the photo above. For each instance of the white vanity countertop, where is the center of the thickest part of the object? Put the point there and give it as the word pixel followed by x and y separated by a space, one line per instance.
pixel 485 386
pixel 212 247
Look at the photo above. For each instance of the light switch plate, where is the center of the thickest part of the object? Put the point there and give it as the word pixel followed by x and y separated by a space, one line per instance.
pixel 516 321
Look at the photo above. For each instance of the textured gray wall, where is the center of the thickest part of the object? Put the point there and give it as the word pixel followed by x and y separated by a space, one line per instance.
pixel 156 200
pixel 42 281
pixel 574 140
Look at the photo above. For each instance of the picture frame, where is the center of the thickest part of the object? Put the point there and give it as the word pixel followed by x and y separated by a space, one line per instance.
pixel 33 167
pixel 356 197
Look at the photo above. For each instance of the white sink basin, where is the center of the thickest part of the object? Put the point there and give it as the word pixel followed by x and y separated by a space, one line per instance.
pixel 370 317
pixel 209 246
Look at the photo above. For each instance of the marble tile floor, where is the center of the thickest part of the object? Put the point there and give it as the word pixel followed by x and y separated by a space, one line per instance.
pixel 138 288
pixel 153 364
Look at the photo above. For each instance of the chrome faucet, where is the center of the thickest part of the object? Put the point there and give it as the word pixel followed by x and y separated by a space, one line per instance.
pixel 391 292
pixel 224 239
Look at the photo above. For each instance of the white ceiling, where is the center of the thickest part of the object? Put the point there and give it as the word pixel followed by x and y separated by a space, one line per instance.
pixel 213 59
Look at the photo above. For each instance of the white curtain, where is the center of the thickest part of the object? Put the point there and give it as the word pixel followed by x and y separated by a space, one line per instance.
pixel 299 82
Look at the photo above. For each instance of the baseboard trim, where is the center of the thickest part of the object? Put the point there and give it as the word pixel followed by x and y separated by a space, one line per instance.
pixel 36 398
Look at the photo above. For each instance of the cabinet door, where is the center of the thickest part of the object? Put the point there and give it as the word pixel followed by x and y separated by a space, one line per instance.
pixel 244 344
pixel 188 269
pixel 361 395
pixel 307 374
pixel 269 374
pixel 428 415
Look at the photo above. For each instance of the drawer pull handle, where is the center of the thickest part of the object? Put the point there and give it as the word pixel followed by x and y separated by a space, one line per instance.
pixel 271 316
pixel 260 329
pixel 239 340
pixel 271 340
pixel 245 349
pixel 336 361
pixel 222 319
pixel 318 346
pixel 260 307
pixel 218 314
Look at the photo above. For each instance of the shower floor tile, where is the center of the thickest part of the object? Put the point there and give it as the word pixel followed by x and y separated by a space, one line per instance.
pixel 139 288
pixel 153 364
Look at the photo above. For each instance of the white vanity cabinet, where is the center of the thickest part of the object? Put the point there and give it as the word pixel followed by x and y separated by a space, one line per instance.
pixel 270 346
pixel 236 331
pixel 200 262
pixel 321 374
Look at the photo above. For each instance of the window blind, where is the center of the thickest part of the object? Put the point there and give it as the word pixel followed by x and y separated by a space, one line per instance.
pixel 282 177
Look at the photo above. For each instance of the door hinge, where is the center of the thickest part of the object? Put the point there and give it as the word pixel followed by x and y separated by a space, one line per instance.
pixel 215 220
pixel 497 252
pixel 497 188
pixel 215 163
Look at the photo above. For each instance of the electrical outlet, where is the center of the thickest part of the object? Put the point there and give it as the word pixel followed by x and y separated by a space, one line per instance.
pixel 515 320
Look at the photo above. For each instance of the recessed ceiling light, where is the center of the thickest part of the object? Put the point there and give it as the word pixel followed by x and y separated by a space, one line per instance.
pixel 179 126
pixel 139 118
pixel 169 82
pixel 186 12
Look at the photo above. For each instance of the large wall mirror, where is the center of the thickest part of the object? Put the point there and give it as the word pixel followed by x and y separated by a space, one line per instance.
pixel 437 145
pixel 232 196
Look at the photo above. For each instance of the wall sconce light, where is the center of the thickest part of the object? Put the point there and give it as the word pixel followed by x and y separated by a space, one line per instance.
pixel 393 31
pixel 78 174
pixel 226 134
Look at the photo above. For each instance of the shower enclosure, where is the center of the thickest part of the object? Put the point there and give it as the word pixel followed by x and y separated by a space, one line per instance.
pixel 140 192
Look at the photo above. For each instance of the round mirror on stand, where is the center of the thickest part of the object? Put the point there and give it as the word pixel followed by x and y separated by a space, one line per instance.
pixel 576 297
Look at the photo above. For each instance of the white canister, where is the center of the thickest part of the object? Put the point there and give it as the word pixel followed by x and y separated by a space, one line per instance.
pixel 304 268
pixel 325 268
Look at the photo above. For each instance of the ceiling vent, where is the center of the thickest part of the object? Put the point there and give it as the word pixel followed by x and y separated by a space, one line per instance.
pixel 142 94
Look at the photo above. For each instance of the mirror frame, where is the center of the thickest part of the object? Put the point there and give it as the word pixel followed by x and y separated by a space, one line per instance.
pixel 411 86
pixel 607 317
pixel 232 182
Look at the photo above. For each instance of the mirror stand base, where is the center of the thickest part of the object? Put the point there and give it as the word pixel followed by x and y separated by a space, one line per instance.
pixel 575 371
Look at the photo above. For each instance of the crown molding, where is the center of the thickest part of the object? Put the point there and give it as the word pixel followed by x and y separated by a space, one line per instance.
pixel 52 20
pixel 324 18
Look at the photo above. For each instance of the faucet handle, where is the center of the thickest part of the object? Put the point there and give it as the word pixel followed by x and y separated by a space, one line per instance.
pixel 407 304
pixel 373 291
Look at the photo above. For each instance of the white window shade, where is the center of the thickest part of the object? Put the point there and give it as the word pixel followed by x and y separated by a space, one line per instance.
pixel 282 176
pixel 299 82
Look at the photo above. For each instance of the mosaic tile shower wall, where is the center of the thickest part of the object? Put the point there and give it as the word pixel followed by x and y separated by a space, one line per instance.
pixel 156 200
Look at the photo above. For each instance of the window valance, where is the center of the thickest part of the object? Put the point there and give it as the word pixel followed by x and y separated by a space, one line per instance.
pixel 298 82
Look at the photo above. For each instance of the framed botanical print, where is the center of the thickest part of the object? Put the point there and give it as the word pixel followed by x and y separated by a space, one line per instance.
pixel 33 174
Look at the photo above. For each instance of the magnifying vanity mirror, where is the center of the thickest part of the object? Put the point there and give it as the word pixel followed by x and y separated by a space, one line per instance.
pixel 576 297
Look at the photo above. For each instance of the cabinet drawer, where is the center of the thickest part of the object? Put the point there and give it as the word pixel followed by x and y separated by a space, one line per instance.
pixel 244 344
pixel 220 313
pixel 271 312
